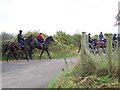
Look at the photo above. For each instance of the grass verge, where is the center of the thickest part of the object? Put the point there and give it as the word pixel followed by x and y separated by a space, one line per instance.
pixel 99 79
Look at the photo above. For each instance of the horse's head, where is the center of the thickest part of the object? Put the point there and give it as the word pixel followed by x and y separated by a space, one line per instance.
pixel 51 39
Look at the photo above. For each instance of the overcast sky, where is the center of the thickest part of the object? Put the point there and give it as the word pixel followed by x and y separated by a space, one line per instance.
pixel 49 16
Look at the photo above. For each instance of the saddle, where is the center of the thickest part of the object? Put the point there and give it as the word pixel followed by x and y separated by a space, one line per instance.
pixel 40 44
pixel 21 45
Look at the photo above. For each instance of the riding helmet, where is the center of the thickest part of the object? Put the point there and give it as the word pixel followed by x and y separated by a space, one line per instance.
pixel 20 30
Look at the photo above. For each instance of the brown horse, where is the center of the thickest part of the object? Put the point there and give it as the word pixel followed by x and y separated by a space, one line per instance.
pixel 15 46
pixel 100 44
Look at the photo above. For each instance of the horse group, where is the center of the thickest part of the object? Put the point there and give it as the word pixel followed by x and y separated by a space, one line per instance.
pixel 95 45
pixel 29 46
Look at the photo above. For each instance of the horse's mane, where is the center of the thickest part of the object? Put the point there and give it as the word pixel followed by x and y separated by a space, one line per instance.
pixel 28 37
pixel 48 38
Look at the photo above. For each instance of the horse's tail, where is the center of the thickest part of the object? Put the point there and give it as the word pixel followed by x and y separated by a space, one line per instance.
pixel 5 48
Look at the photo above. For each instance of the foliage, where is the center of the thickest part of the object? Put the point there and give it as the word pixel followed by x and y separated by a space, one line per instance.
pixel 68 39
pixel 71 79
pixel 6 37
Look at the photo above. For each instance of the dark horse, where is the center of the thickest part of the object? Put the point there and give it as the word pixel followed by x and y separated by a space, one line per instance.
pixel 35 44
pixel 13 47
pixel 91 46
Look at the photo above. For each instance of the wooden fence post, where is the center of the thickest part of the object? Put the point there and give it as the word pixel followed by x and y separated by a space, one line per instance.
pixel 109 52
pixel 83 46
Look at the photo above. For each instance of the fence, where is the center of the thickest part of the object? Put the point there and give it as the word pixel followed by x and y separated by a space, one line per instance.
pixel 86 56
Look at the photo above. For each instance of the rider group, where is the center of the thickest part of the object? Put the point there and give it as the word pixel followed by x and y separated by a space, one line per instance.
pixel 22 41
pixel 102 39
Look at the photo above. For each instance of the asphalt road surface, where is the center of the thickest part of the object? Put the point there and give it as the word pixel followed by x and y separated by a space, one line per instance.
pixel 34 73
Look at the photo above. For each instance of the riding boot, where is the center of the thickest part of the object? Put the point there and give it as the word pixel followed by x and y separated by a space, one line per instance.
pixel 41 45
pixel 22 45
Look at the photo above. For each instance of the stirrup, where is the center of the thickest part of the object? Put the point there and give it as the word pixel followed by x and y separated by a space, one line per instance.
pixel 22 46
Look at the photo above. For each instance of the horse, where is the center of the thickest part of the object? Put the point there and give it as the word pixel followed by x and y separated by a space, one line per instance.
pixel 13 47
pixel 100 44
pixel 115 43
pixel 90 46
pixel 45 46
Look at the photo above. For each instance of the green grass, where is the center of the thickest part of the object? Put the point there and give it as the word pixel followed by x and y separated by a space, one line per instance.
pixel 68 80
pixel 100 78
pixel 52 84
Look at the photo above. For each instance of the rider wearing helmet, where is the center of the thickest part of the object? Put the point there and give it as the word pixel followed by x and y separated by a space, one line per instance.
pixel 20 39
pixel 40 38
pixel 101 37
pixel 89 38
pixel 90 43
pixel 114 39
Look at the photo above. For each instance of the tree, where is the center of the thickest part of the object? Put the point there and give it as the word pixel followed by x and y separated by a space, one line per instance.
pixel 6 36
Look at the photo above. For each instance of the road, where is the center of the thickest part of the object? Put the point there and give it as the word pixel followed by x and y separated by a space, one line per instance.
pixel 32 74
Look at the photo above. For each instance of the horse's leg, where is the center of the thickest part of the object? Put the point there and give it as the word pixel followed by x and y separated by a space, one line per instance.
pixel 14 54
pixel 30 53
pixel 22 54
pixel 93 49
pixel 26 55
pixel 41 53
pixel 104 50
pixel 90 48
pixel 103 47
pixel 48 54
pixel 79 48
pixel 97 50
pixel 8 56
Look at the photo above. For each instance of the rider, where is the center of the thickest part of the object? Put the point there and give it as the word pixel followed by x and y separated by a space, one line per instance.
pixel 101 37
pixel 40 39
pixel 89 39
pixel 114 39
pixel 20 39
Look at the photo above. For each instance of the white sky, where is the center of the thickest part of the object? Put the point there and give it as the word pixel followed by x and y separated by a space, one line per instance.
pixel 49 16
